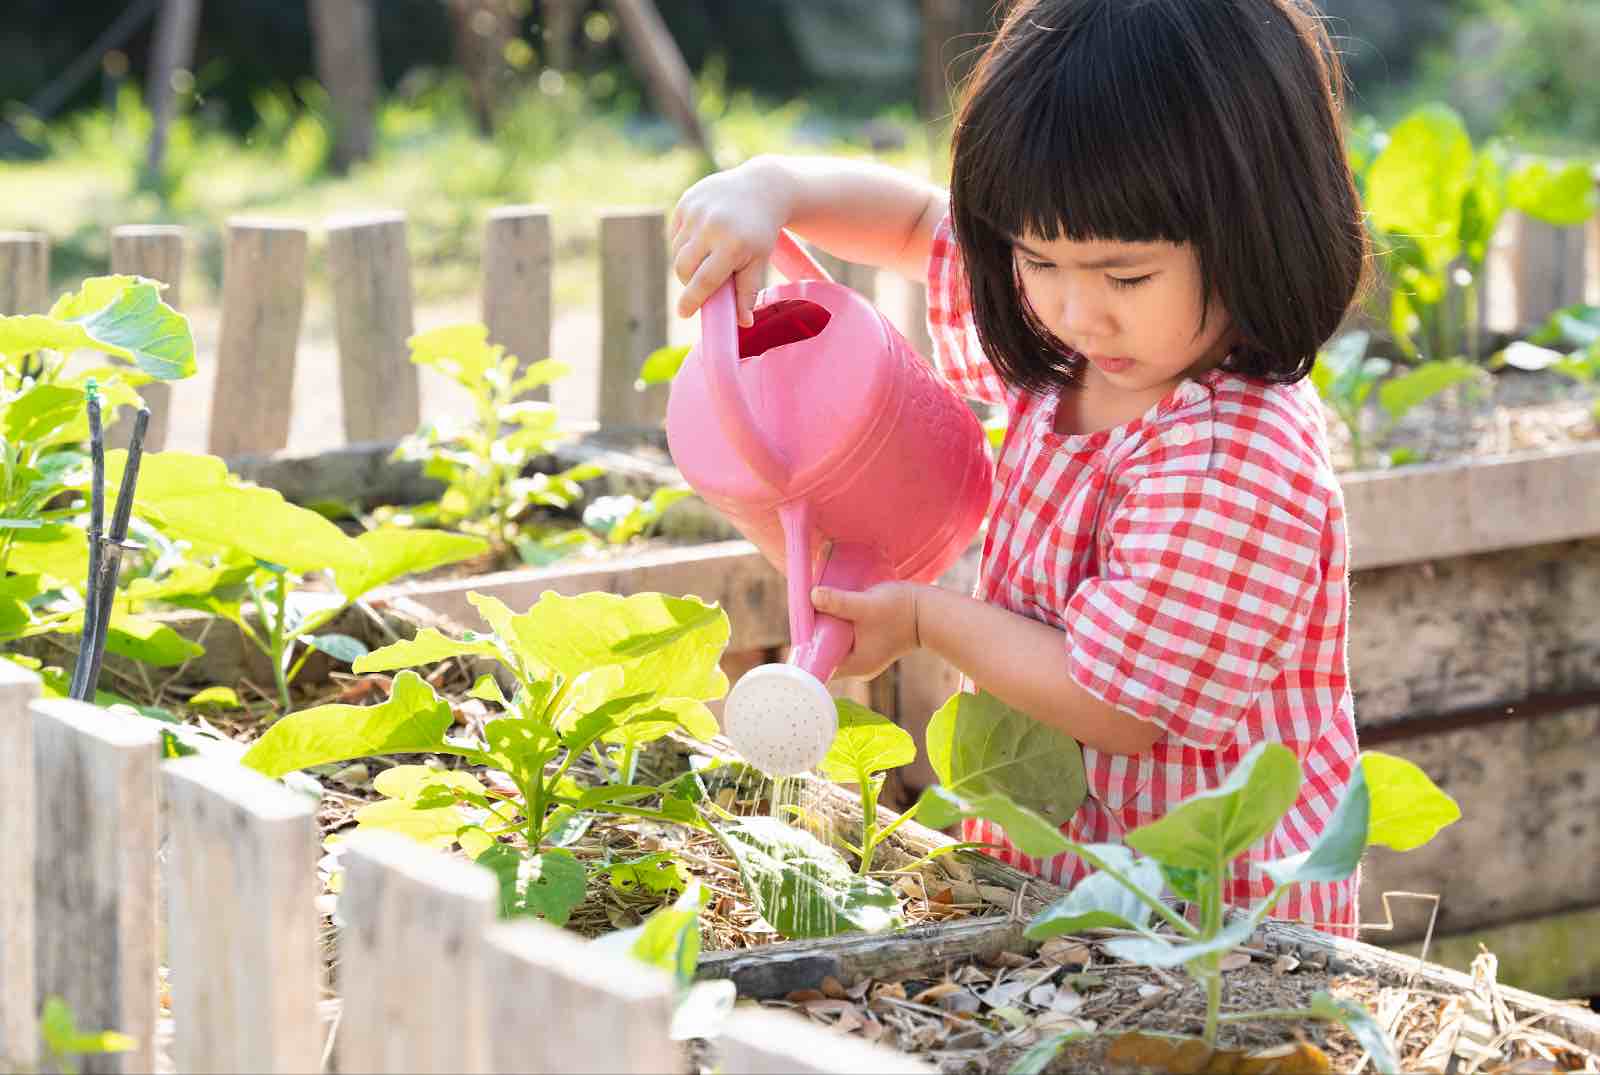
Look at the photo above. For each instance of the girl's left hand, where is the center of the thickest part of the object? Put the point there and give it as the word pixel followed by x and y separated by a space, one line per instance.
pixel 885 621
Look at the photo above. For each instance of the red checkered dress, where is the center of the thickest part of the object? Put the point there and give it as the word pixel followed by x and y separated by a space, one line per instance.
pixel 1196 560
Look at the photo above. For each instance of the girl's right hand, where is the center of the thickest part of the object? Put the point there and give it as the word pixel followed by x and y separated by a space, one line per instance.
pixel 726 225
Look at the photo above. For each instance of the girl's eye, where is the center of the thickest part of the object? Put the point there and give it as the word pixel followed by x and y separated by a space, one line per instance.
pixel 1128 281
pixel 1034 265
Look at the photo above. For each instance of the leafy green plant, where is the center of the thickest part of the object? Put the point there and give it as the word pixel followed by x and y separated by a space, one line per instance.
pixel 868 745
pixel 1433 203
pixel 1568 344
pixel 64 1042
pixel 1388 802
pixel 586 673
pixel 482 461
pixel 1345 376
pixel 621 518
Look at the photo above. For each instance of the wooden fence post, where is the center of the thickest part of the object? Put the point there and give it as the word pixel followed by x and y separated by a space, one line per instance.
pixel 371 275
pixel 19 1005
pixel 263 295
pixel 1547 268
pixel 516 283
pixel 154 251
pixel 24 273
pixel 633 315
pixel 245 967
pixel 605 1012
pixel 759 1041
pixel 94 873
pixel 413 942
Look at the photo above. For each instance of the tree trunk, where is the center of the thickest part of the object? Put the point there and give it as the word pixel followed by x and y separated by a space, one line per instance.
pixel 345 37
pixel 483 29
pixel 177 27
pixel 655 56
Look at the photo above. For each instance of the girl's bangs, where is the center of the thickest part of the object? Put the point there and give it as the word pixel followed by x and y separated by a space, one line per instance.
pixel 1091 150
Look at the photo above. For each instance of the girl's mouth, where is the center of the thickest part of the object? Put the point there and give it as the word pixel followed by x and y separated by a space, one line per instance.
pixel 1111 363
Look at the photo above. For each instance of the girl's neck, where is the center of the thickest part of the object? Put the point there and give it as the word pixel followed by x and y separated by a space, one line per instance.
pixel 1096 404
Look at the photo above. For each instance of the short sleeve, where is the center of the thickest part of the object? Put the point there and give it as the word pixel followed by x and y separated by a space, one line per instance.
pixel 1204 590
pixel 957 354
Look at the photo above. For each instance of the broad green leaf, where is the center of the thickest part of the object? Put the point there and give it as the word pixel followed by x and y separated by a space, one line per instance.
pixel 1482 206
pixel 979 745
pixel 40 411
pixel 1100 900
pixel 1337 852
pixel 434 827
pixel 570 635
pixel 58 552
pixel 187 578
pixel 547 885
pixel 393 551
pixel 867 743
pixel 642 645
pixel 1207 830
pixel 659 873
pixel 540 373
pixel 1416 185
pixel 59 1028
pixel 519 745
pixel 410 781
pixel 669 939
pixel 461 352
pixel 662 365
pixel 194 497
pixel 939 807
pixel 488 690
pixel 1408 809
pixel 221 697
pixel 800 886
pixel 141 639
pixel 1399 394
pixel 413 721
pixel 1564 197
pixel 124 316
pixel 665 716
pixel 1154 951
pixel 339 647
pixel 428 647
pixel 1361 1025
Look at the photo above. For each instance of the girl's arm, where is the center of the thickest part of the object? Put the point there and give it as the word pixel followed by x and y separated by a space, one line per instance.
pixel 727 224
pixel 1018 660
pixel 1024 663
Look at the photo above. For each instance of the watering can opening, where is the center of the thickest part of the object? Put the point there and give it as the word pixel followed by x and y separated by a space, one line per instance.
pixel 784 322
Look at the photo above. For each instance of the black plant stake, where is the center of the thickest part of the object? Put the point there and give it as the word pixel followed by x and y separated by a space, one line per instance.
pixel 105 552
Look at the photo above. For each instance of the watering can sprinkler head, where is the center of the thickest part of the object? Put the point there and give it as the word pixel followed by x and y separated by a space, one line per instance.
pixel 781 719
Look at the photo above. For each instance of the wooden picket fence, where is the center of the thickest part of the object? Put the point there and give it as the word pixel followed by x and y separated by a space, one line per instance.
pixel 428 980
pixel 1533 269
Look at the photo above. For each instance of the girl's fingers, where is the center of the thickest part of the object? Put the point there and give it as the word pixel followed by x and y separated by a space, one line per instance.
pixel 713 271
pixel 686 259
pixel 746 283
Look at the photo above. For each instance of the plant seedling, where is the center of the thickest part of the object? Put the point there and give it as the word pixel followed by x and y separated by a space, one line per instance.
pixel 867 747
pixel 1388 801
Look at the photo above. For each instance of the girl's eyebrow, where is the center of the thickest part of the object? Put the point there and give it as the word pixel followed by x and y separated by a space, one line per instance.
pixel 1110 261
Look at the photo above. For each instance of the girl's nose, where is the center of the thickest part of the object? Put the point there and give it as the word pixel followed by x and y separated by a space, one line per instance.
pixel 1082 314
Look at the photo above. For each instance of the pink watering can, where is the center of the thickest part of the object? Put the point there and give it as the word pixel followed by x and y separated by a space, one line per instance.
pixel 833 447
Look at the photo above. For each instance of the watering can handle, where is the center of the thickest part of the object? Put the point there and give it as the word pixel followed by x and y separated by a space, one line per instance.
pixel 719 331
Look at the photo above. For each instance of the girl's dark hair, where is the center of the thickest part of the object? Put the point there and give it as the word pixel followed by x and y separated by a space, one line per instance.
pixel 1209 122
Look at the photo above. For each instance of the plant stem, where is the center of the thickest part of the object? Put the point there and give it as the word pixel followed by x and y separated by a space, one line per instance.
pixel 869 820
pixel 630 760
pixel 279 657
pixel 1211 965
pixel 1296 1014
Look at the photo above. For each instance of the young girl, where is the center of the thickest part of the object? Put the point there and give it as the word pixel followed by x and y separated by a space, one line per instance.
pixel 1150 229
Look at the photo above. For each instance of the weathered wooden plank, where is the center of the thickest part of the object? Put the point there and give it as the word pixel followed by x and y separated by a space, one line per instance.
pixel 760 1041
pixel 1552 955
pixel 24 272
pixel 19 1005
pixel 370 271
pixel 263 295
pixel 1546 269
pixel 579 1008
pixel 95 873
pixel 516 283
pixel 154 251
pixel 732 573
pixel 633 315
pixel 412 950
pixel 245 971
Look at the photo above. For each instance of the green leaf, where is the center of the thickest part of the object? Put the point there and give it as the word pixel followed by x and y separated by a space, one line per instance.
pixel 1338 850
pixel 1157 951
pixel 867 743
pixel 1100 900
pixel 1565 198
pixel 1415 187
pixel 660 873
pixel 40 411
pixel 548 885
pixel 59 1028
pixel 939 807
pixel 486 689
pixel 670 938
pixel 461 352
pixel 1399 394
pixel 145 640
pixel 1039 1056
pixel 221 697
pixel 394 551
pixel 1482 206
pixel 520 746
pixel 412 721
pixel 1208 829
pixel 542 372
pixel 433 826
pixel 124 316
pixel 800 885
pixel 979 745
pixel 1408 809
pixel 664 717
pixel 58 552
pixel 339 647
pixel 662 365
pixel 1362 1026
pixel 428 647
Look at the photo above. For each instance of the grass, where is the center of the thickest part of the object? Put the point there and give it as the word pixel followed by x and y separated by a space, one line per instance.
pixel 559 144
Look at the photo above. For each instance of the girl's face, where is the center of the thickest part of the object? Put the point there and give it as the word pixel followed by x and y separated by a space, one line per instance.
pixel 1131 309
